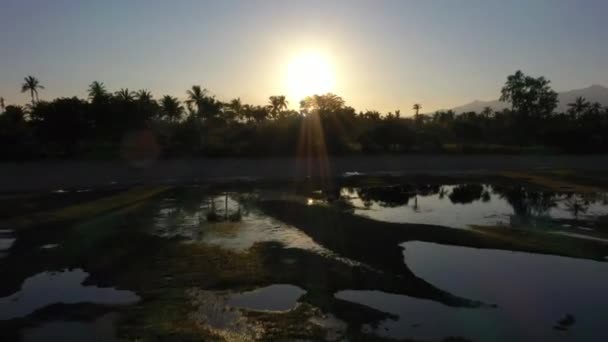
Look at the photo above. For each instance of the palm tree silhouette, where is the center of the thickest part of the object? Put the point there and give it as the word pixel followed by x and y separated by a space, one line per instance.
pixel 2 104
pixel 143 95
pixel 97 91
pixel 235 109
pixel 277 104
pixel 595 108
pixel 578 106
pixel 32 85
pixel 196 95
pixel 417 108
pixel 321 103
pixel 236 105
pixel 125 94
pixel 171 108
pixel 486 112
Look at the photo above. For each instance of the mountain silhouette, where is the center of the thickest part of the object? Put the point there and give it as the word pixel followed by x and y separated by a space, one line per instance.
pixel 594 93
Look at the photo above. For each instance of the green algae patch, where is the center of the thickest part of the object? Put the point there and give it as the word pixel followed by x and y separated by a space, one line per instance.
pixel 294 324
pixel 163 318
pixel 88 209
pixel 169 307
pixel 186 262
pixel 188 303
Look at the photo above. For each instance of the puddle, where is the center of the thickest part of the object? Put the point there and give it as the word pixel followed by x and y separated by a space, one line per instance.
pixel 212 313
pixel 278 297
pixel 101 329
pixel 462 205
pixel 7 240
pixel 254 228
pixel 423 319
pixel 532 292
pixel 219 312
pixel 6 243
pixel 192 224
pixel 49 246
pixel 65 287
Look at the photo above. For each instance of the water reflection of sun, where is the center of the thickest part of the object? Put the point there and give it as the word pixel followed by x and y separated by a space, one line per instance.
pixel 308 74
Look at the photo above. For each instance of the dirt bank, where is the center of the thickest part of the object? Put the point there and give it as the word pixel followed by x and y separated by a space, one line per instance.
pixel 53 175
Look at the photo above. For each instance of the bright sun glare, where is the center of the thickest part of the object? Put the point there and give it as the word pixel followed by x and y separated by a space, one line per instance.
pixel 309 74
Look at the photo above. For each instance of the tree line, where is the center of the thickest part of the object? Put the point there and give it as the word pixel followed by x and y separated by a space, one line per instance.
pixel 102 126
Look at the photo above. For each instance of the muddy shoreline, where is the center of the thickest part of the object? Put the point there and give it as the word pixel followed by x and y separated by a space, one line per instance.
pixel 54 175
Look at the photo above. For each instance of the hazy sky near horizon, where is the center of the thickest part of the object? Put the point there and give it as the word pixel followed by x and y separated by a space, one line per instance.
pixel 384 55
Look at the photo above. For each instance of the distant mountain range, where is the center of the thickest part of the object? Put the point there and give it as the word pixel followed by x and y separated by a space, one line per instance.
pixel 594 93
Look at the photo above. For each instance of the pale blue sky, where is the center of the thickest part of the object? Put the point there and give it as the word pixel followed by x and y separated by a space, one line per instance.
pixel 386 54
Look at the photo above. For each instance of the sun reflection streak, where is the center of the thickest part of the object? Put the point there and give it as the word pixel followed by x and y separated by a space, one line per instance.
pixel 312 150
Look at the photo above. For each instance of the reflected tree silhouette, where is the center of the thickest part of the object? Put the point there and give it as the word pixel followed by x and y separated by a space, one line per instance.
pixel 527 204
pixel 577 204
pixel 466 193
pixel 387 196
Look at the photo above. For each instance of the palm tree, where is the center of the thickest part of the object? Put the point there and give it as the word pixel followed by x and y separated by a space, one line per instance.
pixel 486 112
pixel 595 108
pixel 171 108
pixel 190 108
pixel 196 95
pixel 97 91
pixel 321 103
pixel 2 104
pixel 578 106
pixel 143 95
pixel 417 108
pixel 246 112
pixel 277 104
pixel 234 109
pixel 236 105
pixel 147 107
pixel 32 85
pixel 125 94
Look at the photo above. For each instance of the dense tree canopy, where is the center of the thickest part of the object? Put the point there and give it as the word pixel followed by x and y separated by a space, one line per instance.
pixel 202 125
pixel 529 96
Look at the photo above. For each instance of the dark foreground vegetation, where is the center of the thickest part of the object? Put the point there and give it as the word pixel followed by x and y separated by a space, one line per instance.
pixel 134 125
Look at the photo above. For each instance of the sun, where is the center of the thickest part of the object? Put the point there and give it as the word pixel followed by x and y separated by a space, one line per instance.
pixel 308 74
